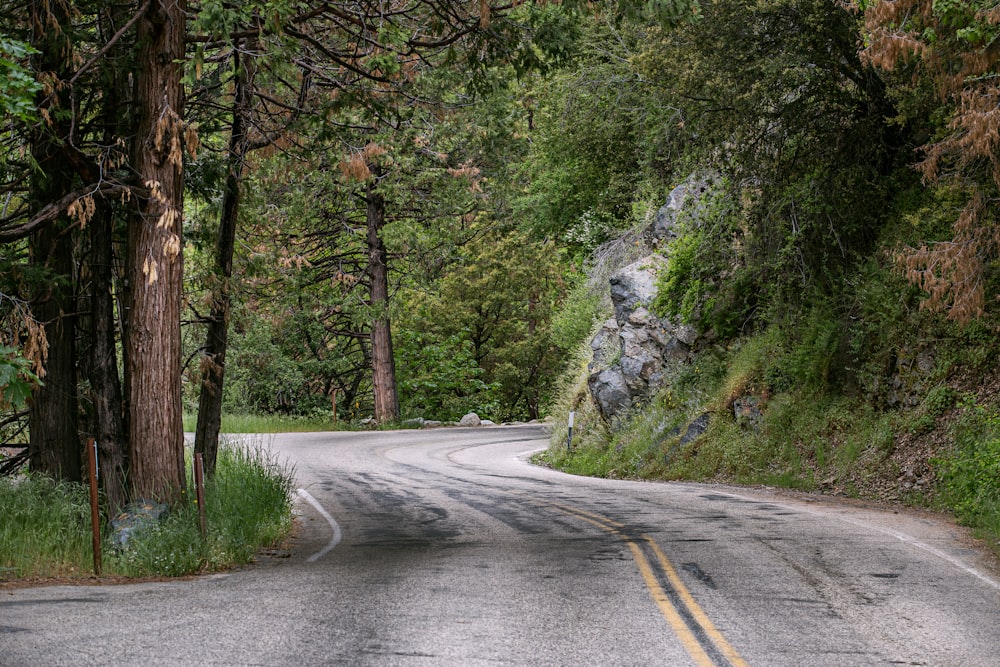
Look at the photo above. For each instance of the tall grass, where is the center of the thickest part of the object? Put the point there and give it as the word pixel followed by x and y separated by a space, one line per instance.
pixel 970 475
pixel 45 526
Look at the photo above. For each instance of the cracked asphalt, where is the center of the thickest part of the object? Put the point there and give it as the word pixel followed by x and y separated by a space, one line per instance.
pixel 446 547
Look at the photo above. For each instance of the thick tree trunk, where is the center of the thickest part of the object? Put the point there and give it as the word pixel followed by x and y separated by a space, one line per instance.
pixel 383 364
pixel 54 443
pixel 155 261
pixel 106 391
pixel 213 363
pixel 105 382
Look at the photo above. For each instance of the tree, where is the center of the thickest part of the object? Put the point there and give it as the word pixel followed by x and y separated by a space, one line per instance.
pixel 54 444
pixel 774 100
pixel 155 260
pixel 949 49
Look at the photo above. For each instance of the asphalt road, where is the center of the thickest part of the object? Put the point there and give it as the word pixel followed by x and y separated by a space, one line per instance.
pixel 445 547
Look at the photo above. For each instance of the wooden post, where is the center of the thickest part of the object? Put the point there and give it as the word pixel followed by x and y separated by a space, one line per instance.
pixel 199 489
pixel 95 510
pixel 333 403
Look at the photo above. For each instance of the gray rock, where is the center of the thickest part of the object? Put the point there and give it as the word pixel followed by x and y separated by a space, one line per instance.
pixel 747 410
pixel 416 422
pixel 634 287
pixel 605 345
pixel 610 392
pixel 431 423
pixel 471 419
pixel 487 422
pixel 633 352
pixel 682 198
pixel 696 428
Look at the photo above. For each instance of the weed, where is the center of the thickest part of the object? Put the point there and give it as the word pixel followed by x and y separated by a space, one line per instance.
pixel 970 476
pixel 46 526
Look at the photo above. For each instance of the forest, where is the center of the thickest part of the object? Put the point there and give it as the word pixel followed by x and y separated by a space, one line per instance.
pixel 379 211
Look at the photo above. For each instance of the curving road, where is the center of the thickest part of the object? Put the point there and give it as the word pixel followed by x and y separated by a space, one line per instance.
pixel 445 547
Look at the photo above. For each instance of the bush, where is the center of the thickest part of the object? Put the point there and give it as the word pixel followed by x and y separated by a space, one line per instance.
pixel 970 476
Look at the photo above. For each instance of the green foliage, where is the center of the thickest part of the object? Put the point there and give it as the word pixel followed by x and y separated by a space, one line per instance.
pixel 45 529
pixel 17 85
pixel 496 303
pixel 16 379
pixel 705 282
pixel 439 379
pixel 586 167
pixel 970 475
pixel 574 319
pixel 776 100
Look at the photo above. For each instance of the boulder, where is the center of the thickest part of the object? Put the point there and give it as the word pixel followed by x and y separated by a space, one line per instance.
pixel 631 351
pixel 471 419
pixel 683 198
pixel 610 392
pixel 696 429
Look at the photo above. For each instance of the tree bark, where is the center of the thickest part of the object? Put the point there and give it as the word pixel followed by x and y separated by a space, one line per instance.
pixel 54 442
pixel 383 364
pixel 155 261
pixel 213 362
pixel 105 385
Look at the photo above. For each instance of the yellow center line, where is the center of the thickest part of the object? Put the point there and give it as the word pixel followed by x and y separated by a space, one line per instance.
pixel 670 613
pixel 696 611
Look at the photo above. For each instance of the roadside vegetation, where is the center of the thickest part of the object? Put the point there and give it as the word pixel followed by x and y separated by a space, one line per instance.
pixel 46 531
pixel 434 235
pixel 827 417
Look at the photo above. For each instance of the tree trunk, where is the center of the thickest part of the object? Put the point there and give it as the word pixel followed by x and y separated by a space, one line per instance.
pixel 106 391
pixel 155 261
pixel 54 443
pixel 383 364
pixel 105 384
pixel 213 362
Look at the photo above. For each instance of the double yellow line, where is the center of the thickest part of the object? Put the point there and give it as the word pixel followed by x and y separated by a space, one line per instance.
pixel 696 632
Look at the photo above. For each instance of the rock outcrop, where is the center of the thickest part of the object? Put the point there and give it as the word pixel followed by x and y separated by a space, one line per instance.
pixel 633 350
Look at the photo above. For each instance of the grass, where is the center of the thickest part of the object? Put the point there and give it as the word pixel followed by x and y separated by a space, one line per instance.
pixel 46 529
pixel 811 434
pixel 269 423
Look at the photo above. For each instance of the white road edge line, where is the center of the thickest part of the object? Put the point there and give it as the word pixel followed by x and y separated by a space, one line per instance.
pixel 902 537
pixel 337 534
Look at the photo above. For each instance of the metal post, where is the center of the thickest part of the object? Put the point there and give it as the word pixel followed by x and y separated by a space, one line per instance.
pixel 95 510
pixel 569 432
pixel 199 489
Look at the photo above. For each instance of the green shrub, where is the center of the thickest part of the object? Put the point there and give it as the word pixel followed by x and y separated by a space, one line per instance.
pixel 970 476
